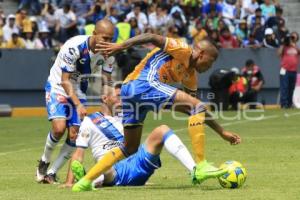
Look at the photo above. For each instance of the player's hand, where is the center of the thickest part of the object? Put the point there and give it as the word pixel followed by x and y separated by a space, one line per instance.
pixel 231 137
pixel 81 111
pixel 66 185
pixel 108 48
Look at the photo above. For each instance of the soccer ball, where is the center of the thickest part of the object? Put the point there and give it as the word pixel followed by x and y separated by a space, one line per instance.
pixel 235 177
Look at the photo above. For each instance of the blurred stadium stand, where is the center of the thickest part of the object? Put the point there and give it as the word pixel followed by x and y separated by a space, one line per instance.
pixel 292 14
pixel 26 87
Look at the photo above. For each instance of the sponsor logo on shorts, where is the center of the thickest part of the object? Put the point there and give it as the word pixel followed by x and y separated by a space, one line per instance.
pixel 52 109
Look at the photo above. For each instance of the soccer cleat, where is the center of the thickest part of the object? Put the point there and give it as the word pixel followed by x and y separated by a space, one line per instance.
pixel 41 171
pixel 50 179
pixel 77 170
pixel 204 170
pixel 82 185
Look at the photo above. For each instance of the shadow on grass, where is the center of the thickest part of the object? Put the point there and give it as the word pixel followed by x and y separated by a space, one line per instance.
pixel 165 187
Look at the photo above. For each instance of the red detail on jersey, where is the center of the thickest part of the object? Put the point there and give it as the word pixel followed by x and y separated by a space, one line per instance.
pixel 61 98
pixel 85 51
pixel 96 120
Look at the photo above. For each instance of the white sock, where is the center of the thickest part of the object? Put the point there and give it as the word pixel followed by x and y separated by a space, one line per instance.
pixel 175 147
pixel 51 142
pixel 64 155
pixel 98 182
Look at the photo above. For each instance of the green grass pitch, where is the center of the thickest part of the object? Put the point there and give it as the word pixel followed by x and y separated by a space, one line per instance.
pixel 270 151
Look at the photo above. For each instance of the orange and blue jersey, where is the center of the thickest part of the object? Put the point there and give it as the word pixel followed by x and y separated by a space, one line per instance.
pixel 148 88
pixel 168 65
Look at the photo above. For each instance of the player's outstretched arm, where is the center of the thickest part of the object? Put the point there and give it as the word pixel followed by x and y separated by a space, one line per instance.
pixel 111 48
pixel 79 156
pixel 226 135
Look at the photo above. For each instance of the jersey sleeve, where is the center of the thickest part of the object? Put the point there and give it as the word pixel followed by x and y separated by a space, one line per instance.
pixel 179 50
pixel 84 135
pixel 109 65
pixel 68 58
pixel 189 81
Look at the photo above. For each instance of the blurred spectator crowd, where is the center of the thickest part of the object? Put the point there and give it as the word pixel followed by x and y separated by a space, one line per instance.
pixel 43 24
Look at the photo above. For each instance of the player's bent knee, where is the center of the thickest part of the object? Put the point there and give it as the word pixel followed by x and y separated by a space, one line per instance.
pixel 58 132
pixel 159 132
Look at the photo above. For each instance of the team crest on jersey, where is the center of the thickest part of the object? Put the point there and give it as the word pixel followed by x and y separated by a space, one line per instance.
pixel 164 78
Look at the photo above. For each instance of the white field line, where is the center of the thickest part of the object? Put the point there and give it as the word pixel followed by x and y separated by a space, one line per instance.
pixel 292 114
pixel 20 144
pixel 250 120
pixel 21 150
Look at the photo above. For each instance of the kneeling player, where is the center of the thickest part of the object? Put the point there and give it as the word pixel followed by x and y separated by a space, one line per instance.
pixel 102 132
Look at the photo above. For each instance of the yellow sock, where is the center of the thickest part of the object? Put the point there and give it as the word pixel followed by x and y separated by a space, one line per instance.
pixel 105 163
pixel 196 131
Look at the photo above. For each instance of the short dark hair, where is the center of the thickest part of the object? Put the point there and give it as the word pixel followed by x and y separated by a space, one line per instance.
pixel 137 5
pixel 279 10
pixel 67 6
pixel 117 85
pixel 258 10
pixel 249 62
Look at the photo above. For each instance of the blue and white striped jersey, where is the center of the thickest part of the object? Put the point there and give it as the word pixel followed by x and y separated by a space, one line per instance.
pixel 100 133
pixel 75 57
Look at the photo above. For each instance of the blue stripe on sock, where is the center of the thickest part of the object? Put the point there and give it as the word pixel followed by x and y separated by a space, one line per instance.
pixel 52 137
pixel 167 135
pixel 70 143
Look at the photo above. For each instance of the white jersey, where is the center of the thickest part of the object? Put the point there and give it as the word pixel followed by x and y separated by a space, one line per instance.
pixel 76 58
pixel 100 133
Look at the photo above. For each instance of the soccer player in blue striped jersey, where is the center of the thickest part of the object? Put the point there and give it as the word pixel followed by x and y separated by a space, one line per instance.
pixel 65 93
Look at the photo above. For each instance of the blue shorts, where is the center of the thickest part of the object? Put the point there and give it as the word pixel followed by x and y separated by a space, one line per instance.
pixel 141 96
pixel 58 106
pixel 136 169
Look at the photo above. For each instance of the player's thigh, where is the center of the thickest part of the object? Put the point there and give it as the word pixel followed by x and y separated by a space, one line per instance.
pixel 184 102
pixel 57 113
pixel 132 138
pixel 73 117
